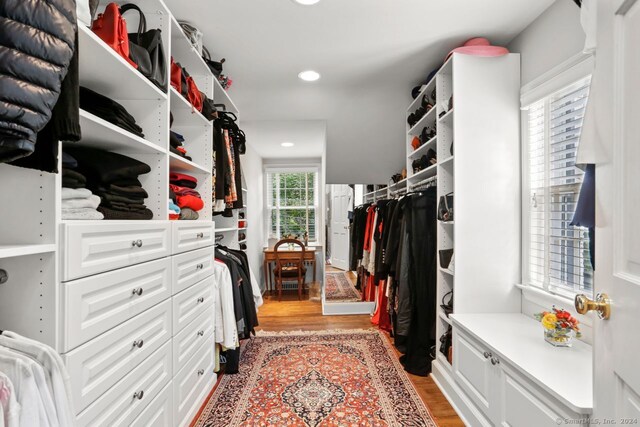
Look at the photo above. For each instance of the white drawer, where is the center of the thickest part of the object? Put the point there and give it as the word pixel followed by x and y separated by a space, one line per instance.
pixel 97 365
pixel 159 413
pixel 190 235
pixel 191 385
pixel 191 267
pixel 129 397
pixel 190 303
pixel 95 304
pixel 187 341
pixel 102 246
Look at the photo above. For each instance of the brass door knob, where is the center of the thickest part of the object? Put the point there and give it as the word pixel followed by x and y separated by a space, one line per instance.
pixel 601 305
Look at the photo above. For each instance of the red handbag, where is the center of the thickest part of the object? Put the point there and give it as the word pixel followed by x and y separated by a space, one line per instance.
pixel 111 27
pixel 194 96
pixel 176 76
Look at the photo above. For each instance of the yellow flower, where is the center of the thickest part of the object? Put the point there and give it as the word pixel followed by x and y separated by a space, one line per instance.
pixel 549 321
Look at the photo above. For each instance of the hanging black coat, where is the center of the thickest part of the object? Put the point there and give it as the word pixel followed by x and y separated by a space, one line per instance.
pixel 37 42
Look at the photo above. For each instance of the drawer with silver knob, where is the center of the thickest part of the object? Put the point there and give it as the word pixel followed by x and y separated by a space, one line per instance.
pixel 191 235
pixel 190 303
pixel 98 364
pixel 95 248
pixel 128 398
pixel 95 304
pixel 192 383
pixel 188 340
pixel 191 267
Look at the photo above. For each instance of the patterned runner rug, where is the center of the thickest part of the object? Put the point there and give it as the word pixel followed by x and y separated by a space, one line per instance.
pixel 338 288
pixel 330 378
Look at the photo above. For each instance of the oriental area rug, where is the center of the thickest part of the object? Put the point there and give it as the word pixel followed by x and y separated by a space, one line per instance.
pixel 329 378
pixel 339 288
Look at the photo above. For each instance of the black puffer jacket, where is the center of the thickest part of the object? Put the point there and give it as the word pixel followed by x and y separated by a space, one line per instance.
pixel 36 45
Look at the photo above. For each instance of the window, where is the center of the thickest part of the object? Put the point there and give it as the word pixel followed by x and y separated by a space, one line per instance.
pixel 292 203
pixel 556 254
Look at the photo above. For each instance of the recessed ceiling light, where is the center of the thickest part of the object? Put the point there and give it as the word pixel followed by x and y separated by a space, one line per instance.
pixel 306 2
pixel 287 144
pixel 309 76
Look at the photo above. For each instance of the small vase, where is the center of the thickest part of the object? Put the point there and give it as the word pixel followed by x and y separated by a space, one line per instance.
pixel 559 338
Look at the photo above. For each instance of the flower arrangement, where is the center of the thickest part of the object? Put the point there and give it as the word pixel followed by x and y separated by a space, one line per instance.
pixel 559 326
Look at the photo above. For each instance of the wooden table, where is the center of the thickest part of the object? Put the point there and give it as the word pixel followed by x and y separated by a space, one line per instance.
pixel 270 257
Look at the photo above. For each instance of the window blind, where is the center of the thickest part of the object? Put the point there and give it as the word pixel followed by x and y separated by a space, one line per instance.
pixel 558 253
pixel 292 203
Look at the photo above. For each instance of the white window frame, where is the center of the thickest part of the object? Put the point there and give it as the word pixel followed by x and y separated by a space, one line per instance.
pixel 316 200
pixel 560 77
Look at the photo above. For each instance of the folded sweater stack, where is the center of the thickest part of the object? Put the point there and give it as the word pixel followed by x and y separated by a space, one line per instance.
pixel 109 110
pixel 78 202
pixel 114 177
pixel 176 145
pixel 183 194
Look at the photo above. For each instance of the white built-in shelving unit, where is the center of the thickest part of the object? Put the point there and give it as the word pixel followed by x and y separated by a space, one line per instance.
pixel 90 289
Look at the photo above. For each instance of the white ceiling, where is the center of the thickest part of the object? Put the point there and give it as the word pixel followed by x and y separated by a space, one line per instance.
pixel 370 54
pixel 308 137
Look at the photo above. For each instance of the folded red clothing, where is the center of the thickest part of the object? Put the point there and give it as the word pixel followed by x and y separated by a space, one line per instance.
pixel 182 150
pixel 191 202
pixel 174 176
pixel 183 191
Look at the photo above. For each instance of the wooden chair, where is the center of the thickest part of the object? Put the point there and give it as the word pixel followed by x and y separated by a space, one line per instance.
pixel 289 266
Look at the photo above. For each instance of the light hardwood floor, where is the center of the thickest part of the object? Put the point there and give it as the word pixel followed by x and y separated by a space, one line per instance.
pixel 293 315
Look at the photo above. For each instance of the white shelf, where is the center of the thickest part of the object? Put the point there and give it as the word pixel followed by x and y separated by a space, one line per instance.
pixel 245 190
pixel 423 174
pixel 420 151
pixel 9 251
pixel 220 96
pixel 447 118
pixel 185 53
pixel 446 222
pixel 185 114
pixel 99 133
pixel 426 88
pixel 446 271
pixel 242 241
pixel 226 230
pixel 180 164
pixel 106 72
pixel 430 117
pixel 443 316
pixel 447 161
pixel 242 229
pixel 447 67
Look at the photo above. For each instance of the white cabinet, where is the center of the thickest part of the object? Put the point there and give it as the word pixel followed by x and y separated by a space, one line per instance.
pixel 506 375
pixel 191 338
pixel 95 304
pixel 190 303
pixel 190 235
pixel 191 267
pixel 159 413
pixel 89 248
pixel 191 384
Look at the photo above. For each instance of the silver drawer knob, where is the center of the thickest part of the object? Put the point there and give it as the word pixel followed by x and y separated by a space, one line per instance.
pixel 137 243
pixel 201 299
pixel 495 361
pixel 200 235
pixel 487 355
pixel 199 266
pixel 200 333
pixel 138 343
pixel 3 276
pixel 200 372
pixel 138 395
pixel 137 291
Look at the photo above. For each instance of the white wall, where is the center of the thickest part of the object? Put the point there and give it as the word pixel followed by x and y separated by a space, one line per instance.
pixel 551 39
pixel 253 179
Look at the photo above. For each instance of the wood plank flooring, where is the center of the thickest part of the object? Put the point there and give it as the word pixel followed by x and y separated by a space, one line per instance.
pixel 293 315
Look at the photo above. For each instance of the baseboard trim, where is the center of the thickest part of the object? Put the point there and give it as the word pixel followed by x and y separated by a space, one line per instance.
pixel 341 308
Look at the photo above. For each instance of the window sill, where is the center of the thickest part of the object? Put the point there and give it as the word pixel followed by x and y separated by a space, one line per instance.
pixel 544 298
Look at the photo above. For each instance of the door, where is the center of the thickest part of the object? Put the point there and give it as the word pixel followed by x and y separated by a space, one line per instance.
pixel 341 201
pixel 617 273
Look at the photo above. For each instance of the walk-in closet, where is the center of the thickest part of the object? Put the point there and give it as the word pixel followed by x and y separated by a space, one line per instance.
pixel 319 213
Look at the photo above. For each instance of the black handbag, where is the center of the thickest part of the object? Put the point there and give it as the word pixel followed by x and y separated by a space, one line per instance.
pixel 447 307
pixel 446 342
pixel 146 50
pixel 445 208
pixel 445 257
pixel 209 110
pixel 214 66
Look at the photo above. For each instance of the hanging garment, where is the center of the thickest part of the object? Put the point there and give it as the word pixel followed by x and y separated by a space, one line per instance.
pixel 231 193
pixel 225 326
pixel 20 374
pixel 9 406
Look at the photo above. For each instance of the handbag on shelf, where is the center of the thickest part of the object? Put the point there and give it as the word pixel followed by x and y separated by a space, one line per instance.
pixel 445 208
pixel 176 76
pixel 146 50
pixel 445 257
pixel 214 66
pixel 209 110
pixel 193 34
pixel 447 307
pixel 111 27
pixel 446 342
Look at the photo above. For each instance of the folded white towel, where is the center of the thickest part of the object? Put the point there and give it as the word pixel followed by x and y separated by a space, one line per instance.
pixel 81 213
pixel 90 202
pixel 75 193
